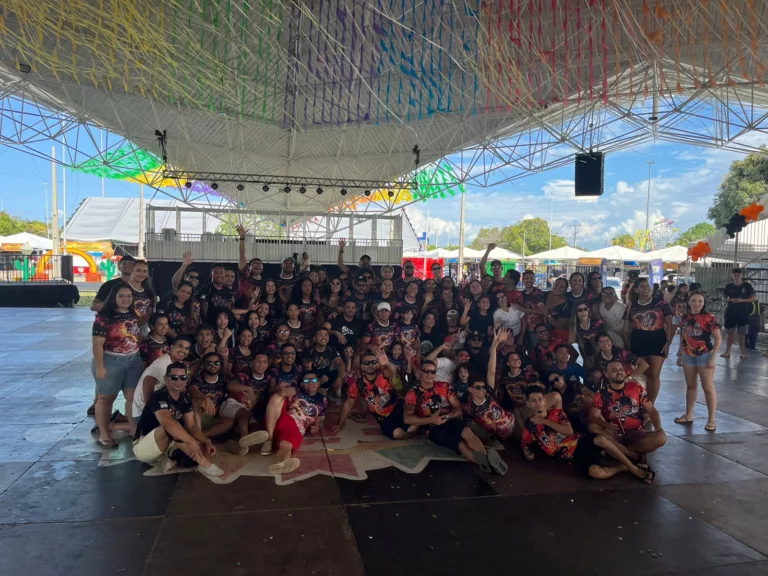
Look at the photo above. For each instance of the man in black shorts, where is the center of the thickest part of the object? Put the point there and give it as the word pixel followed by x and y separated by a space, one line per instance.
pixel 376 389
pixel 554 435
pixel 739 295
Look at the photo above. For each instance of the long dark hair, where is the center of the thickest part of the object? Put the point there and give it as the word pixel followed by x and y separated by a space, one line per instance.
pixel 146 283
pixel 187 307
pixel 297 295
pixel 110 305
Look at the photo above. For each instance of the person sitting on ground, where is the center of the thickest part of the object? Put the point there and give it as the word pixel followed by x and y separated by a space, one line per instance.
pixel 207 390
pixel 153 377
pixel 618 409
pixel 567 378
pixel 375 387
pixel 167 433
pixel 606 352
pixel 434 405
pixel 289 416
pixel 482 410
pixel 552 431
pixel 543 354
pixel 286 374
pixel 327 364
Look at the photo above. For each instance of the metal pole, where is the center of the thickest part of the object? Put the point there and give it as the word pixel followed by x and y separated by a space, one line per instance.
pixel 648 201
pixel 54 205
pixel 461 238
pixel 141 221
pixel 101 151
pixel 551 210
pixel 426 246
pixel 64 192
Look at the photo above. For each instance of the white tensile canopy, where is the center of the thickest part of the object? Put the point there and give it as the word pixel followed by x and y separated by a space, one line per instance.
pixel 677 254
pixel 37 242
pixel 620 254
pixel 566 253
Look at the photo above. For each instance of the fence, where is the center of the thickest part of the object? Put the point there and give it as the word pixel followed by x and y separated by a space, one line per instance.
pixel 17 268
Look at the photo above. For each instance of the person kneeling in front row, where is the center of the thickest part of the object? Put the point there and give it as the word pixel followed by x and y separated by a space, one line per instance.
pixel 552 430
pixel 167 433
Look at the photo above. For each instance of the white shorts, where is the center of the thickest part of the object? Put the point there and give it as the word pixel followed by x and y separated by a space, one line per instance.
pixel 146 449
pixel 230 408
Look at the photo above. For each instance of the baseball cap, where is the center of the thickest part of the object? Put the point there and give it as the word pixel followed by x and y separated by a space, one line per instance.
pixel 286 258
pixel 384 306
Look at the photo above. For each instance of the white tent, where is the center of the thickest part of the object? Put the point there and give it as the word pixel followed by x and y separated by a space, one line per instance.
pixel 502 254
pixel 469 253
pixel 37 242
pixel 675 254
pixel 620 253
pixel 564 253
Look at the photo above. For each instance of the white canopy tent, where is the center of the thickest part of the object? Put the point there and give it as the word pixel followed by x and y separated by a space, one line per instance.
pixel 502 254
pixel 37 242
pixel 620 253
pixel 677 254
pixel 566 253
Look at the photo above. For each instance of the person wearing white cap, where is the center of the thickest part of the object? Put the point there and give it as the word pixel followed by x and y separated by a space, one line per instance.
pixel 381 332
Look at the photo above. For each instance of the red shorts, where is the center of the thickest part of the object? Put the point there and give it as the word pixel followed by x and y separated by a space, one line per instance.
pixel 286 430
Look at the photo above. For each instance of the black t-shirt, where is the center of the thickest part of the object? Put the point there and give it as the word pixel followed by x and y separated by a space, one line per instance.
pixel 285 286
pixel 106 288
pixel 352 330
pixel 430 341
pixel 739 309
pixel 363 307
pixel 162 400
pixel 177 318
pixel 322 362
pixel 480 323
pixel 216 298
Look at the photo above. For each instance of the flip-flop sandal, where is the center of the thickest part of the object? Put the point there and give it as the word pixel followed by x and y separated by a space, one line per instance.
pixel 482 461
pixel 254 438
pixel 710 427
pixel 496 462
pixel 107 445
pixel 743 356
pixel 648 477
pixel 357 417
pixel 115 415
pixel 285 467
pixel 91 410
pixel 683 420
pixel 725 355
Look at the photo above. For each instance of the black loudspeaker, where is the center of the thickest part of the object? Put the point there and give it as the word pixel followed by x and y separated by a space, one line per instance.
pixel 589 174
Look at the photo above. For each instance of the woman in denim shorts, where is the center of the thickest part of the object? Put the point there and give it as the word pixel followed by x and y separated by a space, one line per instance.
pixel 116 362
pixel 697 355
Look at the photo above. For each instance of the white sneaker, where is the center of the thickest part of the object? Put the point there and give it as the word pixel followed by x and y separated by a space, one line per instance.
pixel 266 448
pixel 254 438
pixel 236 448
pixel 212 470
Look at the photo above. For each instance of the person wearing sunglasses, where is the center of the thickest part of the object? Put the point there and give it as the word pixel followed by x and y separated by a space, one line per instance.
pixel 167 433
pixel 207 390
pixel 481 409
pixel 374 386
pixel 612 313
pixel 435 406
pixel 584 331
pixel 289 417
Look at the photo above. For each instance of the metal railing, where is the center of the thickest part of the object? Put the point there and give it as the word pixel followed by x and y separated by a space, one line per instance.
pixel 170 246
pixel 17 268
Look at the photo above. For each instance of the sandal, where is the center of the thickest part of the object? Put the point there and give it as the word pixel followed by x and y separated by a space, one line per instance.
pixel 91 410
pixel 710 426
pixel 743 356
pixel 496 462
pixel 648 477
pixel 684 419
pixel 357 417
pixel 482 461
pixel 109 444
pixel 115 415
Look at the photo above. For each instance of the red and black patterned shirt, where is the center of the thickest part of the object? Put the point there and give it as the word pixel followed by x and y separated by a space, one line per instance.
pixel 696 333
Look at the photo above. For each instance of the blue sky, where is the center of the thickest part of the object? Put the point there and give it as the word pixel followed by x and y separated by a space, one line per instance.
pixel 685 178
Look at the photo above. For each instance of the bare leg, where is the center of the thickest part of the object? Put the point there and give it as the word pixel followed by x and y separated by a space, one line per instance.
pixel 728 344
pixel 742 345
pixel 707 376
pixel 617 454
pixel 243 422
pixel 466 451
pixel 223 426
pixel 647 442
pixel 472 440
pixel 605 472
pixel 285 463
pixel 274 409
pixel 690 390
pixel 652 374
pixel 103 411
pixel 619 446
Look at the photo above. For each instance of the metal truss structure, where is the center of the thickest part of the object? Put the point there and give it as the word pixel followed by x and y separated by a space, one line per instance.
pixel 341 90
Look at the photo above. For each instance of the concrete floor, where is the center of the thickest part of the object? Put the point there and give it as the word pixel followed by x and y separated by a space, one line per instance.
pixel 360 504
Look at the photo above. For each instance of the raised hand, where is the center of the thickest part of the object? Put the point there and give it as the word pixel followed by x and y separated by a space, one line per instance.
pixel 491 246
pixel 241 230
pixel 342 243
pixel 186 259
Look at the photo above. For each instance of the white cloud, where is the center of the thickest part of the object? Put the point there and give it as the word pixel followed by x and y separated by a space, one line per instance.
pixel 446 229
pixel 529 216
pixel 623 188
pixel 565 189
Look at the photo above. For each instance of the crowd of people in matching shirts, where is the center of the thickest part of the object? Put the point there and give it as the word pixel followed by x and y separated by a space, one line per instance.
pixel 247 360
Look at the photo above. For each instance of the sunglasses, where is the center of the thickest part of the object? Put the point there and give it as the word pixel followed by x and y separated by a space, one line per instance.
pixel 478 387
pixel 310 380
pixel 428 371
pixel 370 362
pixel 194 277
pixel 176 377
pixel 216 363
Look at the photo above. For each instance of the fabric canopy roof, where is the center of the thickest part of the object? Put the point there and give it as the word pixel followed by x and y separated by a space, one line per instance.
pixel 620 253
pixel 37 242
pixel 564 253
pixel 676 254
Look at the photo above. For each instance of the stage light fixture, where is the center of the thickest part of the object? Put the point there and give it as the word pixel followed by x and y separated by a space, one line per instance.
pixel 187 184
pixel 287 189
pixel 367 192
pixel 343 192
pixel 240 187
pixel 391 194
pixel 303 190
pixel 25 68
pixel 265 187
pixel 319 190
pixel 214 186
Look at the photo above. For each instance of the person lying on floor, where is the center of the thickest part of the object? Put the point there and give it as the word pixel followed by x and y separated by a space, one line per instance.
pixel 167 434
pixel 552 431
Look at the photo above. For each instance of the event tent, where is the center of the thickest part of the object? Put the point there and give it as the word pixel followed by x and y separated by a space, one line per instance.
pixel 502 254
pixel 37 242
pixel 620 254
pixel 677 254
pixel 564 253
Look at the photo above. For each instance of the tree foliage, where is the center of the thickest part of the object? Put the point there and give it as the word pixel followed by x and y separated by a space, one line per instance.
pixel 624 240
pixel 695 233
pixel 746 182
pixel 257 225
pixel 448 247
pixel 10 225
pixel 534 230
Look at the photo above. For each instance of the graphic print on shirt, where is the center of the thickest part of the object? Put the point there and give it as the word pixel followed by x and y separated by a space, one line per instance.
pixel 696 333
pixel 649 317
pixel 121 333
pixel 432 401
pixel 491 417
pixel 306 409
pixel 379 395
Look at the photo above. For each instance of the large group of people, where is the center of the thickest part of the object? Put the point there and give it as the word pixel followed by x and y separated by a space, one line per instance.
pixel 249 360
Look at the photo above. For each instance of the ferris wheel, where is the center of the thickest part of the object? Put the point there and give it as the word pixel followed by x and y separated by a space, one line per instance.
pixel 663 231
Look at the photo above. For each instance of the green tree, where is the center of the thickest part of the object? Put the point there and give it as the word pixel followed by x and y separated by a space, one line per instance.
pixel 624 240
pixel 746 182
pixel 257 225
pixel 449 247
pixel 14 225
pixel 695 233
pixel 535 231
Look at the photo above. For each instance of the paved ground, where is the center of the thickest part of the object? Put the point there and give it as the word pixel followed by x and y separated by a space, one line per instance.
pixel 361 505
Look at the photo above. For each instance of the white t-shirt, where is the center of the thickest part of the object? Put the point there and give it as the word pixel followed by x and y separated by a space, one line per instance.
pixel 510 319
pixel 157 371
pixel 445 370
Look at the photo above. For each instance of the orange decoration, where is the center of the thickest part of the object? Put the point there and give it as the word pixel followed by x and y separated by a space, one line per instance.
pixel 752 212
pixel 701 249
